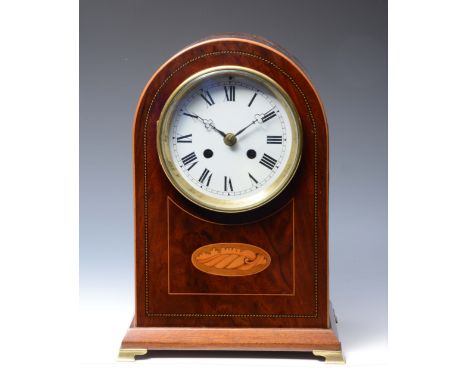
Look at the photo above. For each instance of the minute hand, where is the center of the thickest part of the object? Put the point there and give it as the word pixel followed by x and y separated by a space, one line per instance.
pixel 259 118
pixel 245 128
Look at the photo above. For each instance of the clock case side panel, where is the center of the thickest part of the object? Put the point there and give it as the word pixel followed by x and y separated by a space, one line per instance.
pixel 147 181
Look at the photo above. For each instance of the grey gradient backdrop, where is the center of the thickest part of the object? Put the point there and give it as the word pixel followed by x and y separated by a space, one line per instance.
pixel 342 45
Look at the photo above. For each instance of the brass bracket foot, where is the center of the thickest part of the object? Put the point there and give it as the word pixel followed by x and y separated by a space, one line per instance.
pixel 128 355
pixel 331 356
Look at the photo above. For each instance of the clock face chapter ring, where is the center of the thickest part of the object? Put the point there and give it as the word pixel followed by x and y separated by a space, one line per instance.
pixel 229 139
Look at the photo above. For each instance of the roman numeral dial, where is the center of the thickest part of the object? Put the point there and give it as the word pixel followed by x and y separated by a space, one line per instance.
pixel 230 93
pixel 228 184
pixel 252 99
pixel 207 97
pixel 187 138
pixel 205 176
pixel 189 158
pixel 274 139
pixel 252 179
pixel 268 116
pixel 230 138
pixel 268 161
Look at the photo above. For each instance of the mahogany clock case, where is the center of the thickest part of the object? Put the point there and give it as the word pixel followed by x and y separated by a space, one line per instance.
pixel 292 292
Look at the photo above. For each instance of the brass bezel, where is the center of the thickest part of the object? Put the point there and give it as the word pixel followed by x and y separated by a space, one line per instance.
pixel 210 202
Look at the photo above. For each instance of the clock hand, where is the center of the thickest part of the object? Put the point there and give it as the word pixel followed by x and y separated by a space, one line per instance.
pixel 258 119
pixel 245 128
pixel 210 124
pixel 207 122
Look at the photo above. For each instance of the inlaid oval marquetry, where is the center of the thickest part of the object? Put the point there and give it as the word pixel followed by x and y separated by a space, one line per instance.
pixel 231 259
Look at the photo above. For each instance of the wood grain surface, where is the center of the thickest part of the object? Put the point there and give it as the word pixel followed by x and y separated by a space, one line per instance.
pixel 293 291
pixel 231 339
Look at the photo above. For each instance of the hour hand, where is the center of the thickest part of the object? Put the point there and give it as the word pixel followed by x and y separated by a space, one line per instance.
pixel 209 124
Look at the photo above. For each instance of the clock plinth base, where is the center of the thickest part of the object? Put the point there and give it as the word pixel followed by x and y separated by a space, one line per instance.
pixel 321 342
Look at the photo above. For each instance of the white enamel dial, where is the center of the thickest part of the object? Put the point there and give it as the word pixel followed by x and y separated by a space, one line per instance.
pixel 231 137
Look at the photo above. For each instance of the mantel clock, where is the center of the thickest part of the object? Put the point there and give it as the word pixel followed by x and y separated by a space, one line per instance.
pixel 230 153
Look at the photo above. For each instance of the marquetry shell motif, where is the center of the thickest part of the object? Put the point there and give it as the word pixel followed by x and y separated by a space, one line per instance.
pixel 231 259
